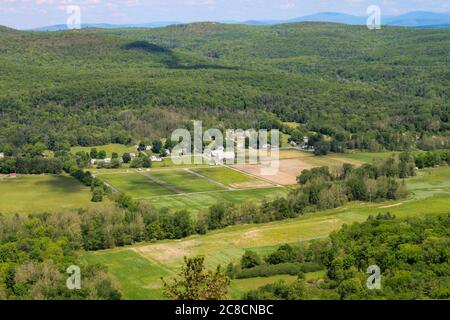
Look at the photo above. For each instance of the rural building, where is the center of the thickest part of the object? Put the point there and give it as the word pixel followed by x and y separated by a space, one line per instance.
pixel 2 155
pixel 219 155
pixel 156 159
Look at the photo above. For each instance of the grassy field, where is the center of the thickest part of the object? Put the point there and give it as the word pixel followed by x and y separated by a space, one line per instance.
pixel 240 286
pixel 430 195
pixel 363 157
pixel 135 184
pixel 185 181
pixel 42 193
pixel 120 149
pixel 202 201
pixel 224 175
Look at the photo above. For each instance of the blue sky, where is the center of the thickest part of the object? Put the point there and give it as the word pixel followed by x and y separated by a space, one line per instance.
pixel 24 14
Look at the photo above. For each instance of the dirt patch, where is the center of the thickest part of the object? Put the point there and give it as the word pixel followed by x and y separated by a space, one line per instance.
pixel 167 252
pixel 287 174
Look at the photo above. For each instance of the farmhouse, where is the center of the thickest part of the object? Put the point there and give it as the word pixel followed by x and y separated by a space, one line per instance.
pixel 2 155
pixel 156 159
pixel 219 155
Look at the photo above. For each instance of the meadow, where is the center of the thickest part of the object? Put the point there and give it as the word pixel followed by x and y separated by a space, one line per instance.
pixel 120 149
pixel 135 184
pixel 42 193
pixel 185 181
pixel 202 201
pixel 430 194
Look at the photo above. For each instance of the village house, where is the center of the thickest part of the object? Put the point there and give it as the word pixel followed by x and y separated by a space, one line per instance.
pixel 156 159
pixel 219 155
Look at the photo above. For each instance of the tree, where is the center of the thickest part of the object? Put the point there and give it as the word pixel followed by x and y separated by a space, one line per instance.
pixel 195 283
pixel 114 155
pixel 146 162
pixel 156 146
pixel 97 195
pixel 93 154
pixel 126 158
pixel 101 154
pixel 322 148
pixel 141 147
pixel 250 259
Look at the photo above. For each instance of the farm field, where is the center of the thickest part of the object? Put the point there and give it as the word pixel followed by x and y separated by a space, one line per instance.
pixel 42 193
pixel 185 181
pixel 120 149
pixel 231 178
pixel 430 195
pixel 191 189
pixel 202 201
pixel 288 170
pixel 135 184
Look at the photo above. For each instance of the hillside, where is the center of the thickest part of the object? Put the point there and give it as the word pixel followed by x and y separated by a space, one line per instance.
pixel 372 90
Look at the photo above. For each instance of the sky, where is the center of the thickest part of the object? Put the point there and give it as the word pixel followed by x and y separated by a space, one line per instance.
pixel 27 14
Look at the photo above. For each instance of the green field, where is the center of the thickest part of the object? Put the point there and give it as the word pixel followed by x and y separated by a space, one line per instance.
pixel 224 175
pixel 135 184
pixel 430 195
pixel 185 181
pixel 120 149
pixel 42 193
pixel 202 201
pixel 364 157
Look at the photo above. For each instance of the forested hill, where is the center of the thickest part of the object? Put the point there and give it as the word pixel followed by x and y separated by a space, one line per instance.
pixel 384 89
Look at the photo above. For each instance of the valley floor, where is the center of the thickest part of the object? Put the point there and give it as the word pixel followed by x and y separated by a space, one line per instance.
pixel 138 268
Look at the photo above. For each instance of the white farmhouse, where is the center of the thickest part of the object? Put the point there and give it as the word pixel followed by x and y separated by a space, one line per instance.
pixel 156 159
pixel 2 155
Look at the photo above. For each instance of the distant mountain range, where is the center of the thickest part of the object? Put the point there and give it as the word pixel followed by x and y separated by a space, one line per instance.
pixel 417 19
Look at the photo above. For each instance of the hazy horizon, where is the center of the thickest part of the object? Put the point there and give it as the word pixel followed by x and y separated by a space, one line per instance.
pixel 28 14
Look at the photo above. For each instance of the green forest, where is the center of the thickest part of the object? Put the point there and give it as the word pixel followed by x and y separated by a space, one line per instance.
pixel 370 90
pixel 373 105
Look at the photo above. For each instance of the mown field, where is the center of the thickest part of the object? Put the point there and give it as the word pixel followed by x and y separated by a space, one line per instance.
pixel 135 184
pixel 42 193
pixel 430 194
pixel 120 149
pixel 202 201
pixel 193 189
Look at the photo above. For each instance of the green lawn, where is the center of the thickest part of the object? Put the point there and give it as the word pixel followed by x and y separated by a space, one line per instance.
pixel 240 286
pixel 365 157
pixel 185 181
pixel 197 202
pixel 137 277
pixel 224 175
pixel 135 184
pixel 120 149
pixel 431 195
pixel 42 193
